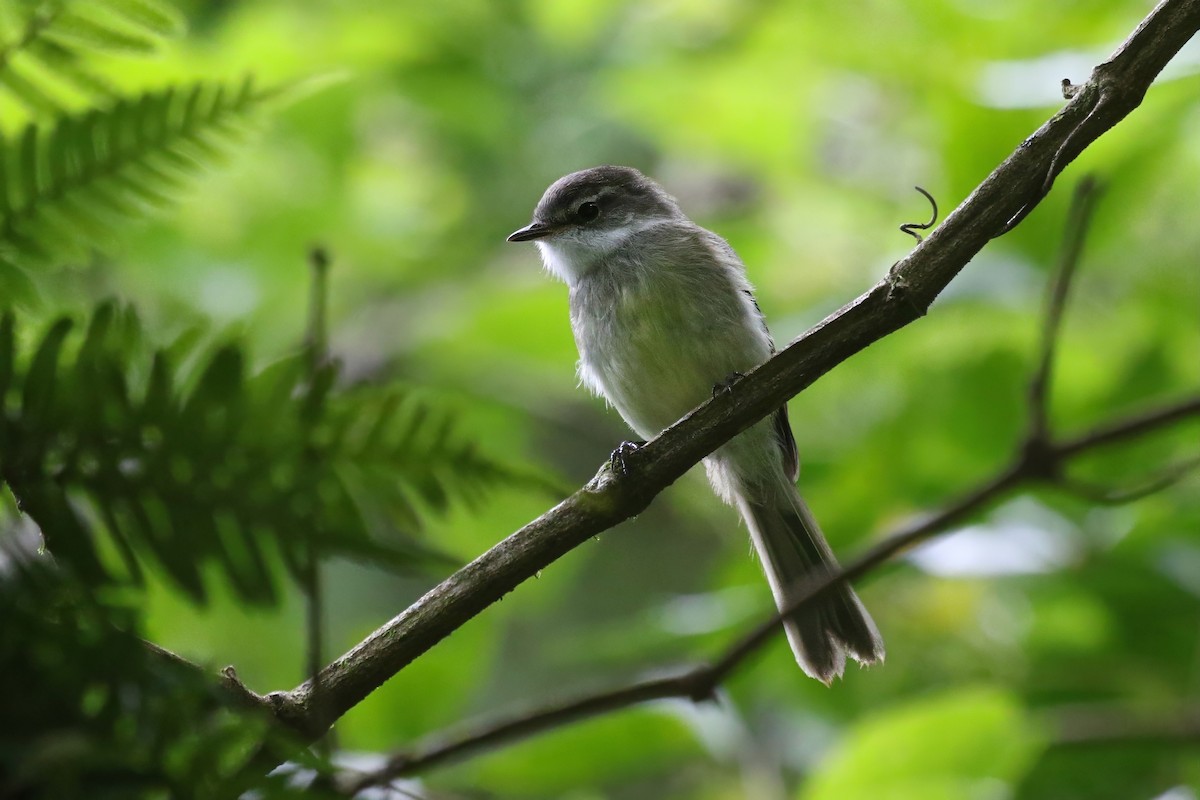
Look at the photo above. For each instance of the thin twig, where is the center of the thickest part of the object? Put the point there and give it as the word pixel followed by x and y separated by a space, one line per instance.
pixel 1113 433
pixel 317 346
pixel 314 630
pixel 317 336
pixel 911 228
pixel 242 695
pixel 1093 101
pixel 1102 725
pixel 1078 221
pixel 1168 476
pixel 229 679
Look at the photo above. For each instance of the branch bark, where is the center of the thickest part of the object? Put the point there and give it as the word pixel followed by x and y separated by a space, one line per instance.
pixel 1115 88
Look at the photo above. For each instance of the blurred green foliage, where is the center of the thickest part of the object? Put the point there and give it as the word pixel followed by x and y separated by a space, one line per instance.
pixel 217 466
pixel 921 752
pixel 794 129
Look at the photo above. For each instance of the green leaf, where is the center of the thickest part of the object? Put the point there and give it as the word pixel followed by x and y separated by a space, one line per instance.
pixel 161 18
pixel 152 521
pixel 16 285
pixel 958 744
pixel 79 29
pixel 290 92
pixel 120 538
pixel 55 42
pixel 235 474
pixel 219 383
pixel 42 377
pixel 61 528
pixel 29 94
pixel 63 63
pixel 26 169
pixel 157 404
pixel 94 338
pixel 245 563
pixel 5 183
pixel 66 186
pixel 7 356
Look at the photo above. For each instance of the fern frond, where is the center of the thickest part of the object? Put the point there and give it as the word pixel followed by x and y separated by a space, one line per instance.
pixel 394 439
pixel 63 187
pixel 46 46
pixel 126 461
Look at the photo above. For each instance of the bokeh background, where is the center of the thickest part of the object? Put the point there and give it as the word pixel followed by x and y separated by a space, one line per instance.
pixel 797 131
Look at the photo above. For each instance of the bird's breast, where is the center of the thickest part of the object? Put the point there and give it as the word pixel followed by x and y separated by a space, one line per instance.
pixel 656 349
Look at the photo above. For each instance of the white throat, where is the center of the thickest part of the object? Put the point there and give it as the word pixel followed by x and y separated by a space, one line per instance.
pixel 571 254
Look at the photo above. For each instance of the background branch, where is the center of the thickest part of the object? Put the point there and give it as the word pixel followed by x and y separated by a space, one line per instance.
pixel 317 347
pixel 1114 89
pixel 1078 222
pixel 1088 726
pixel 1166 477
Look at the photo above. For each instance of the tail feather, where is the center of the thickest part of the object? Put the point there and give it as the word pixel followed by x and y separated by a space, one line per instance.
pixel 796 556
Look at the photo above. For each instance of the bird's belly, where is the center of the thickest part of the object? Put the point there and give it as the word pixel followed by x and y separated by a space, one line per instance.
pixel 656 363
pixel 651 385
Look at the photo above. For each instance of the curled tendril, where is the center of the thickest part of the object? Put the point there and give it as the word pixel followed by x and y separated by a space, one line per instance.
pixel 911 228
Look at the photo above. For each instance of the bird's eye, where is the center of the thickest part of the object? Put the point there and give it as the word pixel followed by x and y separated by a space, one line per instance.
pixel 587 212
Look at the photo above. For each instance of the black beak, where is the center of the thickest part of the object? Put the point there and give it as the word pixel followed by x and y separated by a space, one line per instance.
pixel 534 230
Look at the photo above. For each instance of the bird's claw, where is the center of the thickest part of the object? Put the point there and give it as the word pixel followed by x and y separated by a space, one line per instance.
pixel 618 458
pixel 727 384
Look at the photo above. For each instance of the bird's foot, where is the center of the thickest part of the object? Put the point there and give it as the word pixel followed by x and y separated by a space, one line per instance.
pixel 727 384
pixel 618 459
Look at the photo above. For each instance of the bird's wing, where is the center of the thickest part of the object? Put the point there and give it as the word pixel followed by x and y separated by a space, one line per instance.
pixel 783 428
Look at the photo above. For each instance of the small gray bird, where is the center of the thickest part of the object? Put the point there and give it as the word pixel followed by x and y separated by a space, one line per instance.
pixel 663 314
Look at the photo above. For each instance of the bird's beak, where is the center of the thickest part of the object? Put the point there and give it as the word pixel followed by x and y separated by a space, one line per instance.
pixel 534 230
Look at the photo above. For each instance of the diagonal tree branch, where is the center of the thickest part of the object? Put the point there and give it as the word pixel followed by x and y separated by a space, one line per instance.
pixel 1115 88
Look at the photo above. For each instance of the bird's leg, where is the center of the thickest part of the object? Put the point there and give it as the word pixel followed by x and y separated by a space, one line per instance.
pixel 724 386
pixel 624 450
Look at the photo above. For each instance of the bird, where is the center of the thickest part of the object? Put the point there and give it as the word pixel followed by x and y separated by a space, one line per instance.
pixel 663 316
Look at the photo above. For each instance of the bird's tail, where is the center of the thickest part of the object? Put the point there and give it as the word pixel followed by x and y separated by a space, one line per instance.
pixel 796 557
